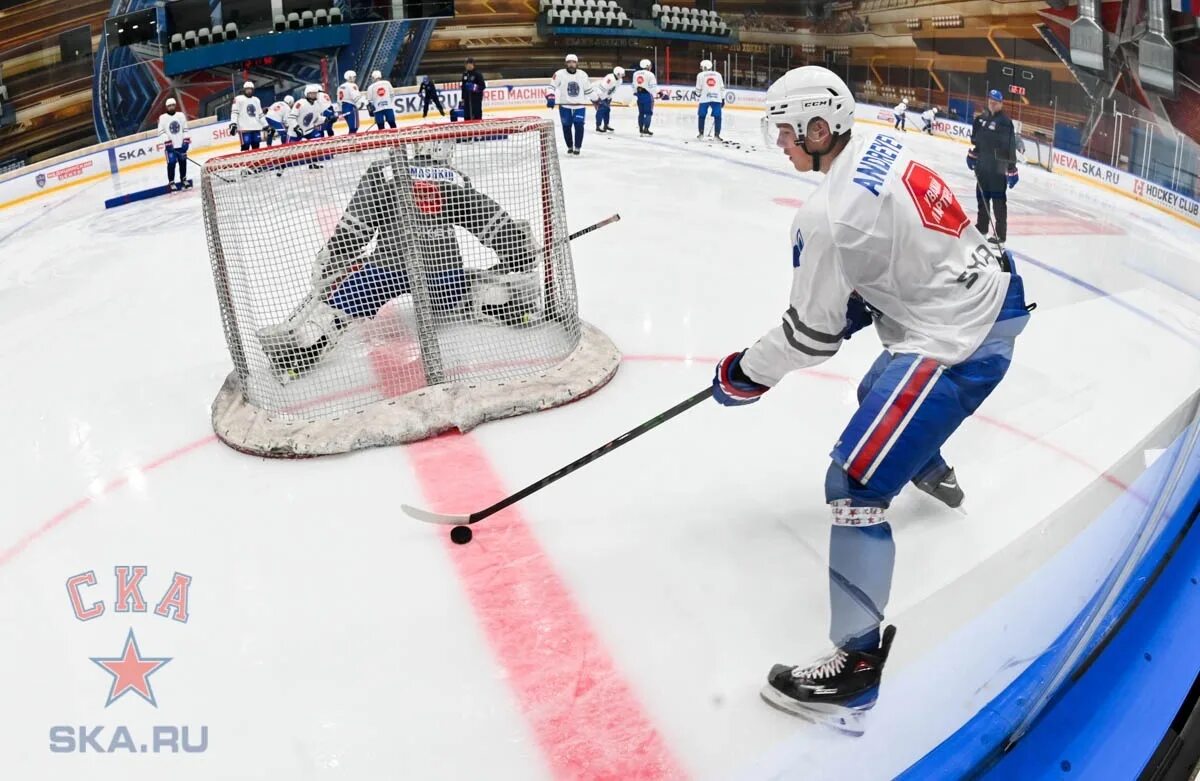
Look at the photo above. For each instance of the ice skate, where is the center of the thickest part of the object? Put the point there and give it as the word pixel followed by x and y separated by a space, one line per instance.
pixel 943 487
pixel 837 690
pixel 297 344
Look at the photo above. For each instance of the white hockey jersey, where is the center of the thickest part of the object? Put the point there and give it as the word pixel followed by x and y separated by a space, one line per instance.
pixel 900 108
pixel 711 87
pixel 305 116
pixel 606 87
pixel 929 114
pixel 644 80
pixel 173 128
pixel 348 93
pixel 379 95
pixel 247 113
pixel 572 89
pixel 278 112
pixel 887 227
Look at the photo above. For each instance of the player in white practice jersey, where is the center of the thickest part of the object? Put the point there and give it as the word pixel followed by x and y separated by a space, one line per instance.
pixel 927 117
pixel 605 89
pixel 379 98
pixel 900 115
pixel 883 241
pixel 246 118
pixel 571 90
pixel 173 133
pixel 644 85
pixel 350 99
pixel 711 87
pixel 307 116
pixel 276 118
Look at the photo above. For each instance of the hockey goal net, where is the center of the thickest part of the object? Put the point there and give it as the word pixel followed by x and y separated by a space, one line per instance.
pixel 1036 149
pixel 382 287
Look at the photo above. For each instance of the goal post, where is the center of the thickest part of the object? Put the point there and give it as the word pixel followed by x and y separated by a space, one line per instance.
pixel 383 287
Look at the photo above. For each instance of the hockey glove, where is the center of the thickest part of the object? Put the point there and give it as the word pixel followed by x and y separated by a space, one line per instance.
pixel 183 150
pixel 731 386
pixel 233 129
pixel 549 101
pixel 1013 178
pixel 169 144
pixel 858 316
pixel 972 159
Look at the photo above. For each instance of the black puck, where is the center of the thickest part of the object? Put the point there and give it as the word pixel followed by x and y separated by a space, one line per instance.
pixel 461 535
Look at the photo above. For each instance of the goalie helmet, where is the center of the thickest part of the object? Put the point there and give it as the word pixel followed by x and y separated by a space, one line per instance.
pixel 705 65
pixel 803 95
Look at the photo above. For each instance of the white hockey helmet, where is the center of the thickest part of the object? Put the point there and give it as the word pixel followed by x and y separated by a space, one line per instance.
pixel 350 76
pixel 805 94
pixel 619 72
pixel 572 58
pixel 705 65
pixel 644 65
pixel 376 75
pixel 248 85
pixel 288 99
pixel 171 102
pixel 312 89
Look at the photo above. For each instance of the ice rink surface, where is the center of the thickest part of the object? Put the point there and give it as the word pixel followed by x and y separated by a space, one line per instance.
pixel 616 625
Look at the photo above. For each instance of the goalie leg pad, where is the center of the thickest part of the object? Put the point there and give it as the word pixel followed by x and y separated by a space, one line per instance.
pixel 506 299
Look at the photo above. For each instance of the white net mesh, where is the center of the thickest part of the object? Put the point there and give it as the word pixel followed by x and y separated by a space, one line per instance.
pixel 359 270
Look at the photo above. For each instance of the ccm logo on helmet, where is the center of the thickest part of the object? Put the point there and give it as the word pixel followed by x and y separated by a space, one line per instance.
pixel 815 103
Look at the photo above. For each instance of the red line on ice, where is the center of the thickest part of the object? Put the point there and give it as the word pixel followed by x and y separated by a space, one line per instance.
pixel 585 715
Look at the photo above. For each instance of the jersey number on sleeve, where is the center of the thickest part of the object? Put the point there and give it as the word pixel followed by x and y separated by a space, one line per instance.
pixel 935 202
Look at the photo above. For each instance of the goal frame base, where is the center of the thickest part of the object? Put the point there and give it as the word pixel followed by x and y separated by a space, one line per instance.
pixel 416 415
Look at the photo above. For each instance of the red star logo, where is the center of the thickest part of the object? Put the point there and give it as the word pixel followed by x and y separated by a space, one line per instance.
pixel 131 672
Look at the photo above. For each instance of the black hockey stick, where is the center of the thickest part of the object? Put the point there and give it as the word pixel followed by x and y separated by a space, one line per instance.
pixel 479 515
pixel 597 226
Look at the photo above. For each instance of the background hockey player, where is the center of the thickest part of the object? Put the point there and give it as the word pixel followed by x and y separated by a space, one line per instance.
pixel 350 100
pixel 430 95
pixel 711 87
pixel 308 115
pixel 246 118
pixel 380 96
pixel 644 85
pixel 900 115
pixel 276 120
pixel 605 89
pixel 329 113
pixel 360 267
pixel 571 90
pixel 993 158
pixel 927 117
pixel 882 240
pixel 173 132
pixel 472 89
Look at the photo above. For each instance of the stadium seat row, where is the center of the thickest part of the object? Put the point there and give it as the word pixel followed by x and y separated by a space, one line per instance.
pixel 293 21
pixel 586 16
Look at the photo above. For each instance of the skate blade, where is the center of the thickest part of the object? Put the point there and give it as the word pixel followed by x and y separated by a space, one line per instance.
pixel 846 721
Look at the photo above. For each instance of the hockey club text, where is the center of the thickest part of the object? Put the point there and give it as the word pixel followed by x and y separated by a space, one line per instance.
pixel 129 598
pixel 876 162
pixel 69 739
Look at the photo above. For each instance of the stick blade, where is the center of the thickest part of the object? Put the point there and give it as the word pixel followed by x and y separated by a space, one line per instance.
pixel 438 518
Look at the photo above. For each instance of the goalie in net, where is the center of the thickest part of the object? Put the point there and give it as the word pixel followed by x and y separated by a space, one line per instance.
pixel 353 278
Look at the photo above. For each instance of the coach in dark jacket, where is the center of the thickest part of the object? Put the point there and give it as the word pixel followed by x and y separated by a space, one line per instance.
pixel 472 91
pixel 993 158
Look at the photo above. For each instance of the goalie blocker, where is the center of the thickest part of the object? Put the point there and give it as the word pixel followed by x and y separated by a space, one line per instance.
pixel 439 275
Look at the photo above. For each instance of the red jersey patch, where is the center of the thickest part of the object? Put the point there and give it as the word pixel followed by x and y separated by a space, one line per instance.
pixel 939 209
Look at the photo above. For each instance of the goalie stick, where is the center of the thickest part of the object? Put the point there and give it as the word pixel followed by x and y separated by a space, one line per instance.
pixel 597 226
pixel 479 515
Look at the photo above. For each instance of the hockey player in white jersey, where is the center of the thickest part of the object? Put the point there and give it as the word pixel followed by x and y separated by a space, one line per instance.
pixel 276 118
pixel 644 85
pixel 900 115
pixel 350 100
pixel 881 241
pixel 605 89
pixel 246 118
pixel 173 133
pixel 571 90
pixel 307 116
pixel 379 96
pixel 927 117
pixel 711 87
